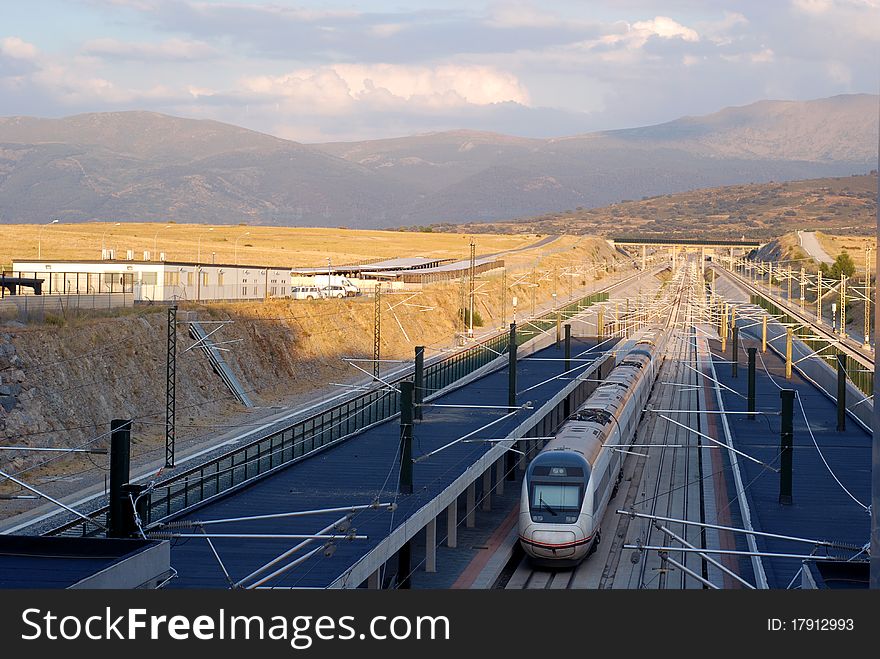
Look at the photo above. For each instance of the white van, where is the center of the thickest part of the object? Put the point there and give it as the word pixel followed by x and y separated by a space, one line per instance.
pixel 334 291
pixel 305 293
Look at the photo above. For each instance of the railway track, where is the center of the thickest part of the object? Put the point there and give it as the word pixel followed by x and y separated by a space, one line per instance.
pixel 664 480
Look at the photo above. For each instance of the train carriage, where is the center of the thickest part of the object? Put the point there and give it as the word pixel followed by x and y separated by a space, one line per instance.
pixel 568 485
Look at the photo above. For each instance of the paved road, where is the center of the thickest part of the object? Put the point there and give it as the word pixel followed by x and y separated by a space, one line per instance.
pixel 809 242
pixel 544 241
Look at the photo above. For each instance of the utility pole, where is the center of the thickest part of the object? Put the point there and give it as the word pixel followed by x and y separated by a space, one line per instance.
pixel 120 468
pixel 786 446
pixel 170 386
pixel 405 478
pixel 534 290
pixel 875 449
pixel 377 330
pixel 503 296
pixel 867 343
pixel 462 284
pixel 842 306
pixel 472 276
pixel 819 296
pixel 803 287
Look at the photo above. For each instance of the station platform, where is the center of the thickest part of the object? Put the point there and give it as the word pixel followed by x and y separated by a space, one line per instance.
pixel 821 508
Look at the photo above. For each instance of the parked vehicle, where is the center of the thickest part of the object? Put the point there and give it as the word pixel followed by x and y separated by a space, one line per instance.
pixel 334 281
pixel 334 291
pixel 305 293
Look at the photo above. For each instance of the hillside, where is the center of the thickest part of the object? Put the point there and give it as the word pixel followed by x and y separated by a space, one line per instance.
pixel 143 166
pixel 72 376
pixel 845 205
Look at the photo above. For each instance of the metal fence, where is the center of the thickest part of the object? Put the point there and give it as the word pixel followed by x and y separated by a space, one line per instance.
pixel 279 449
pixel 855 370
pixel 36 307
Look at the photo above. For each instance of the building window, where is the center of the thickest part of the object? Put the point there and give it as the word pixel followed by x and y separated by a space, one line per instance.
pixel 204 279
pixel 149 278
pixel 283 291
pixel 244 291
pixel 172 278
pixel 189 279
pixel 273 291
pixel 219 278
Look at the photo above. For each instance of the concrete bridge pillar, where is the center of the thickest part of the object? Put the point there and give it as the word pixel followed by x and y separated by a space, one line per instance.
pixel 486 504
pixel 452 524
pixel 431 546
pixel 374 581
pixel 471 505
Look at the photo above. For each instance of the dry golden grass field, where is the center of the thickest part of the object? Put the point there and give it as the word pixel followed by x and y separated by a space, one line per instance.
pixel 252 245
pixel 853 245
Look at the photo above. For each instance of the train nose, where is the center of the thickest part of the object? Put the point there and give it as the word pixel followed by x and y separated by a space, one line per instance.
pixel 553 544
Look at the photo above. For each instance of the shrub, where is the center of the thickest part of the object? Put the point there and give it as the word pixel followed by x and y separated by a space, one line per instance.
pixel 466 316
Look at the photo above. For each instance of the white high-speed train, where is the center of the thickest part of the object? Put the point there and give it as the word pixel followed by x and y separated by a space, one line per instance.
pixel 568 485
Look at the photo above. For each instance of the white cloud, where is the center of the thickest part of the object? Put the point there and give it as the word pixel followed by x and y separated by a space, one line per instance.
pixel 718 32
pixel 522 15
pixel 838 73
pixel 666 28
pixel 168 50
pixel 819 7
pixel 336 88
pixel 385 30
pixel 18 48
pixel 813 6
pixel 763 56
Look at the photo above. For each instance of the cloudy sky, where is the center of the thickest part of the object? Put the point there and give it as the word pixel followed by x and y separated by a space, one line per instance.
pixel 328 70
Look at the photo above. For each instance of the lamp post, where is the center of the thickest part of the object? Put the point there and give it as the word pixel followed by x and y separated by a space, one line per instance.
pixel 235 243
pixel 156 239
pixel 40 238
pixel 103 235
pixel 199 248
pixel 329 276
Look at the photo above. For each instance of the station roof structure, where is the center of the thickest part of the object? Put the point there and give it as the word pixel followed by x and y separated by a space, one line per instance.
pixel 358 471
pixel 47 562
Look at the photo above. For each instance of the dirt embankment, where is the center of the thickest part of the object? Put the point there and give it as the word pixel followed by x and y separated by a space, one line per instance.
pixel 61 385
pixel 785 249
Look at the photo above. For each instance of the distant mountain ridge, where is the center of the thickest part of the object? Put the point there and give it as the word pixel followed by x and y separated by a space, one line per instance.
pixel 147 166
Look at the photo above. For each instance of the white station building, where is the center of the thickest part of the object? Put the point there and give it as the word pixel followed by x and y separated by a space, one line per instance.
pixel 158 281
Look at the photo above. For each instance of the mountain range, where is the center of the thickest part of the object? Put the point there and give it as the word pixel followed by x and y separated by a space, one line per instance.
pixel 144 166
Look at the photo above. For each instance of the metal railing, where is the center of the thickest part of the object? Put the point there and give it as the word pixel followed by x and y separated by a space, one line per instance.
pixel 299 440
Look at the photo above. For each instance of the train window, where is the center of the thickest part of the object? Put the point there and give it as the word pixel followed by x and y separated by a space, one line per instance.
pixel 554 498
pixel 594 416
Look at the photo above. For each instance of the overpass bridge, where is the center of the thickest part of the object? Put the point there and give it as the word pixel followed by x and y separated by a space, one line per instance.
pixel 680 246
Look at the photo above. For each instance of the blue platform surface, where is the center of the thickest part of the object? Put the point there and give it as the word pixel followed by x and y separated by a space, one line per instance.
pixel 41 562
pixel 357 471
pixel 820 508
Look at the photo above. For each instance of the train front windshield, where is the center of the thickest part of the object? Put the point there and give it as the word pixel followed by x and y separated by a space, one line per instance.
pixel 556 494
